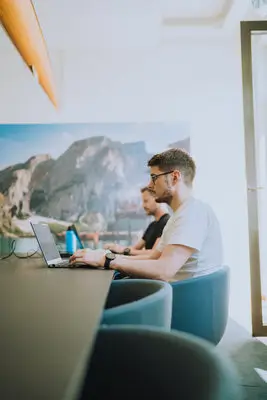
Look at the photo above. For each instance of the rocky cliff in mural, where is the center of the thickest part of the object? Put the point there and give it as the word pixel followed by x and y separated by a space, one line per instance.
pixel 16 182
pixel 91 182
pixel 5 216
pixel 182 144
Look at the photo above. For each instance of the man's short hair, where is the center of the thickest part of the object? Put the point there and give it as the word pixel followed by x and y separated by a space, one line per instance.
pixel 147 189
pixel 173 159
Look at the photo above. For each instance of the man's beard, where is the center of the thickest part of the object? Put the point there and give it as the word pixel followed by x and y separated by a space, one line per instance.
pixel 150 212
pixel 166 197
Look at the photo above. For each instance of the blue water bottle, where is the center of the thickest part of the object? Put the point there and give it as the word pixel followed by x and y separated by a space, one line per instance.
pixel 71 241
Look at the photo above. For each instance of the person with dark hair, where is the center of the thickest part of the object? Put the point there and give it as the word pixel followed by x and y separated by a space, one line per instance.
pixel 191 242
pixel 153 232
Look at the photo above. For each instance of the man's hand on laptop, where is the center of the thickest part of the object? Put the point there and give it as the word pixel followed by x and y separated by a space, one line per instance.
pixel 94 258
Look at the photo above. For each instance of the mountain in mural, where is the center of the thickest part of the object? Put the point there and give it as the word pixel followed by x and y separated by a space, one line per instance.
pixel 183 144
pixel 92 182
pixel 93 179
pixel 89 182
pixel 16 182
pixel 6 225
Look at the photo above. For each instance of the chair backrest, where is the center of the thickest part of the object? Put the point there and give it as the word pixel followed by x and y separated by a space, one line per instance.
pixel 200 305
pixel 139 302
pixel 144 362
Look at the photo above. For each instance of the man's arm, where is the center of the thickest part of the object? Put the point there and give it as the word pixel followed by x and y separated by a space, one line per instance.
pixel 136 252
pixel 152 254
pixel 119 249
pixel 163 268
pixel 138 246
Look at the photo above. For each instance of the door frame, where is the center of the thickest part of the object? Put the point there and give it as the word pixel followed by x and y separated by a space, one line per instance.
pixel 247 28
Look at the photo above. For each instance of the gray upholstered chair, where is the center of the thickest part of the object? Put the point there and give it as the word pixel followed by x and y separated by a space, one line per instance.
pixel 139 302
pixel 130 362
pixel 200 305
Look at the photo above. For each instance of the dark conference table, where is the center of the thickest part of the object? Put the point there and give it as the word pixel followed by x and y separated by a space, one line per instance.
pixel 49 318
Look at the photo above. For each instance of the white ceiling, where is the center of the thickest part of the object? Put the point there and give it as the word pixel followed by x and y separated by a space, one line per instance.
pixel 168 8
pixel 131 23
pixel 192 9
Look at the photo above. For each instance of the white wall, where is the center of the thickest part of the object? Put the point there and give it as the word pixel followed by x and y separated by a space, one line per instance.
pixel 198 81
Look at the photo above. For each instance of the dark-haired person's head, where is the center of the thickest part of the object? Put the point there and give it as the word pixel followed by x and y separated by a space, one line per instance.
pixel 169 172
pixel 148 201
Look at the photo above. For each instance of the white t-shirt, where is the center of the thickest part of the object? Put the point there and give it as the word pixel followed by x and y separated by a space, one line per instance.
pixel 195 225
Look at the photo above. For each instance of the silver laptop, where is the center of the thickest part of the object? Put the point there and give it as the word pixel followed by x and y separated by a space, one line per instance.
pixel 48 246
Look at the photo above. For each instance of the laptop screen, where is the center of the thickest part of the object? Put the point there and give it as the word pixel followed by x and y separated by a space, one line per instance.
pixel 46 242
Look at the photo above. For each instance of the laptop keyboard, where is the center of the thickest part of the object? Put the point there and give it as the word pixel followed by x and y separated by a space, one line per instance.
pixel 64 264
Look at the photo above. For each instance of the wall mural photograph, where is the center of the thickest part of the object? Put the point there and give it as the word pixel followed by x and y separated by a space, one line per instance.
pixel 87 174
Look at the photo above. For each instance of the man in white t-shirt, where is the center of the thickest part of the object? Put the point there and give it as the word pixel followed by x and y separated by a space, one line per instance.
pixel 191 242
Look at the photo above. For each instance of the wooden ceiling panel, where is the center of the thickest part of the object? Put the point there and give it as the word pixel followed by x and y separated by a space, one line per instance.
pixel 20 21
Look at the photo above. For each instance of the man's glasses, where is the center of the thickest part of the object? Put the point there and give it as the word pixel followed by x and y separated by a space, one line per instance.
pixel 154 177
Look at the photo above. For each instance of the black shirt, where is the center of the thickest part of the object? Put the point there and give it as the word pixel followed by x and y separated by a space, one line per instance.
pixel 154 231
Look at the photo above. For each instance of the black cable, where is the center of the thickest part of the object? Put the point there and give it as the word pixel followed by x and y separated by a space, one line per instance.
pixel 28 255
pixel 12 252
pixel 13 246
